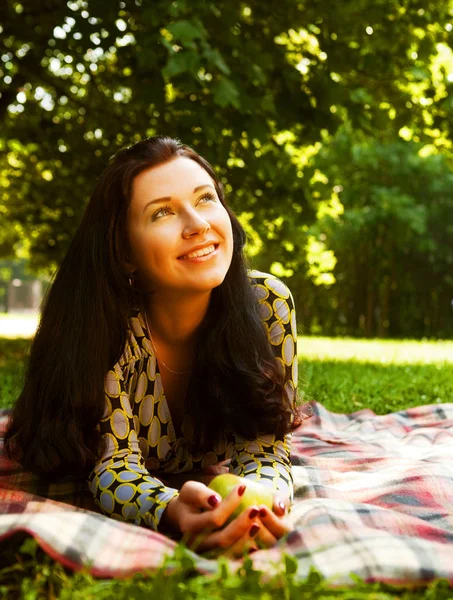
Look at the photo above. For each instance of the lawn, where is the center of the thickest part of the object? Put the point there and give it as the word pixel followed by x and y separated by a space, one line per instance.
pixel 344 375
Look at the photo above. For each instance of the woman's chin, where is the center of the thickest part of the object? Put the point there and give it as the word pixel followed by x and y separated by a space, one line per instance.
pixel 206 283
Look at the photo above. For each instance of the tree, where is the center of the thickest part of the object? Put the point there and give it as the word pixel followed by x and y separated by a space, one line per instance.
pixel 83 78
pixel 387 219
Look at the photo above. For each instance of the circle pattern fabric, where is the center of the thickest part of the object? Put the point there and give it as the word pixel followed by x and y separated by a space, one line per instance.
pixel 140 439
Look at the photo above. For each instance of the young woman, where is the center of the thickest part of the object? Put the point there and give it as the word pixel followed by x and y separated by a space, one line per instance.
pixel 159 353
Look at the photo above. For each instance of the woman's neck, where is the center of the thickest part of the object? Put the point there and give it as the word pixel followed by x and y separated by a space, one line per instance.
pixel 174 320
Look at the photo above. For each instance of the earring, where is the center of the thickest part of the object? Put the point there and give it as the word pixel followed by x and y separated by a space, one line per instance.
pixel 131 278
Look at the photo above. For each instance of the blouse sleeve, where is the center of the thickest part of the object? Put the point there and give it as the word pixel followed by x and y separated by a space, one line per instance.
pixel 121 485
pixel 267 458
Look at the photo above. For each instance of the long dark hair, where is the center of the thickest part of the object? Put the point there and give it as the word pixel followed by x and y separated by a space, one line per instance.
pixel 236 383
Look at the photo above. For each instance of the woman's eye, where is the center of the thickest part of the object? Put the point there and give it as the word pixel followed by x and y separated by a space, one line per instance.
pixel 165 210
pixel 207 196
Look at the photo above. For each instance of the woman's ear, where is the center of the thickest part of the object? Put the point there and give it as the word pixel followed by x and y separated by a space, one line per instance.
pixel 130 265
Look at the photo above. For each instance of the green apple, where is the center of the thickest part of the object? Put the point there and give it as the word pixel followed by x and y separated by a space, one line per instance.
pixel 255 493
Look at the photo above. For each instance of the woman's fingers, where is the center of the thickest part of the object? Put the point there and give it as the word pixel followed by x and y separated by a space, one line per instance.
pixel 204 517
pixel 246 543
pixel 281 505
pixel 235 536
pixel 275 525
pixel 271 529
pixel 265 538
pixel 257 526
pixel 217 513
pixel 199 495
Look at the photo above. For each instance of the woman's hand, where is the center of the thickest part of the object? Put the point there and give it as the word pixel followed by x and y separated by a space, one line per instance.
pixel 274 524
pixel 200 515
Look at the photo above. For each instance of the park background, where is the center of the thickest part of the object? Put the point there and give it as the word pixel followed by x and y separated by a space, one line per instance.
pixel 330 124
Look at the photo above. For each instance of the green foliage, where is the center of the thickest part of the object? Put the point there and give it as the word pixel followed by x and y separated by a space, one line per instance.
pixel 34 575
pixel 392 237
pixel 257 88
pixel 80 79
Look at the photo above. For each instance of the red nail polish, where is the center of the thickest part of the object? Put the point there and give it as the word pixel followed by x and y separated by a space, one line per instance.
pixel 213 501
pixel 253 513
pixel 241 490
pixel 263 512
pixel 282 507
pixel 254 530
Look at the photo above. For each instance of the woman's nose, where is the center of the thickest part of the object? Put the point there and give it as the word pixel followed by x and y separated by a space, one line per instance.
pixel 195 224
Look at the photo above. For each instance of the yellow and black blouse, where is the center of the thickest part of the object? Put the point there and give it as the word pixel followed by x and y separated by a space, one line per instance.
pixel 141 442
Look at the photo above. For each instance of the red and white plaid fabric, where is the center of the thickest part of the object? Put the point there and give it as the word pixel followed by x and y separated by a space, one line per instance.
pixel 373 497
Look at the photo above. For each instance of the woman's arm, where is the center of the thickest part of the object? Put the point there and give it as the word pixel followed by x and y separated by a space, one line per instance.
pixel 121 485
pixel 267 459
pixel 124 489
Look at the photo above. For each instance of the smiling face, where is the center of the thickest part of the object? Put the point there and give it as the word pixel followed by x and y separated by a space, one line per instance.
pixel 179 232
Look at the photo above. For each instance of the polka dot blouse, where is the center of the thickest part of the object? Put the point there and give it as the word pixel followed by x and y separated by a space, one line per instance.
pixel 141 441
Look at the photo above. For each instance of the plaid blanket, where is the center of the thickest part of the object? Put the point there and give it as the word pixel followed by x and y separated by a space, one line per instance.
pixel 373 497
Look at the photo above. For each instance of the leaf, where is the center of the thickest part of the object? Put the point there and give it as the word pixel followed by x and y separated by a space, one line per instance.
pixel 214 57
pixel 420 74
pixel 185 31
pixel 182 62
pixel 226 93
pixel 267 103
pixel 361 96
pixel 314 577
pixel 30 547
pixel 291 564
pixel 259 74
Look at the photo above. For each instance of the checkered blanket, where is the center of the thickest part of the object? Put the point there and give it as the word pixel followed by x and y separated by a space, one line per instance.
pixel 373 497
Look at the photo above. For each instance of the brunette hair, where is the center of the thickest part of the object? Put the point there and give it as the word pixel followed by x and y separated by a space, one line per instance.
pixel 236 383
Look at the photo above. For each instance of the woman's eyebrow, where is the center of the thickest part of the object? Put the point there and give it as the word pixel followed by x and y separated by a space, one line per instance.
pixel 169 198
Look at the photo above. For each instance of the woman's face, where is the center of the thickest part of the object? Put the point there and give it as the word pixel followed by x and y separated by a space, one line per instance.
pixel 179 232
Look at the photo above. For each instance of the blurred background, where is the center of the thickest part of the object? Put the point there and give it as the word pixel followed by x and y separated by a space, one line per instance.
pixel 330 124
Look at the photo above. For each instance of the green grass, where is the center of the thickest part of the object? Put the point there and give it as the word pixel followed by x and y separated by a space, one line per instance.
pixel 348 375
pixel 345 376
pixel 12 367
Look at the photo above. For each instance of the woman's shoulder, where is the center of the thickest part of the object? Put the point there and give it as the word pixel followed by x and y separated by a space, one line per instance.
pixel 266 283
pixel 137 344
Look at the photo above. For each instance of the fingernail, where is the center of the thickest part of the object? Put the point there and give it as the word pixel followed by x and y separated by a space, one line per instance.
pixel 213 501
pixel 263 512
pixel 254 530
pixel 241 490
pixel 253 513
pixel 282 507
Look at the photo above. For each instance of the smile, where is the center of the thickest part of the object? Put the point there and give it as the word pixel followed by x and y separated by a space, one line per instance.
pixel 203 252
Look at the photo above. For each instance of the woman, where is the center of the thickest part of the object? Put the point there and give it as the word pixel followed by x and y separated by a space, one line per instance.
pixel 158 353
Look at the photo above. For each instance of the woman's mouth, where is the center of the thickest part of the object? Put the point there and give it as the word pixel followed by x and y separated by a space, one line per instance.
pixel 203 253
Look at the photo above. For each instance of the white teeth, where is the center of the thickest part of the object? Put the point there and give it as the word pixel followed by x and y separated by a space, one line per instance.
pixel 201 252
